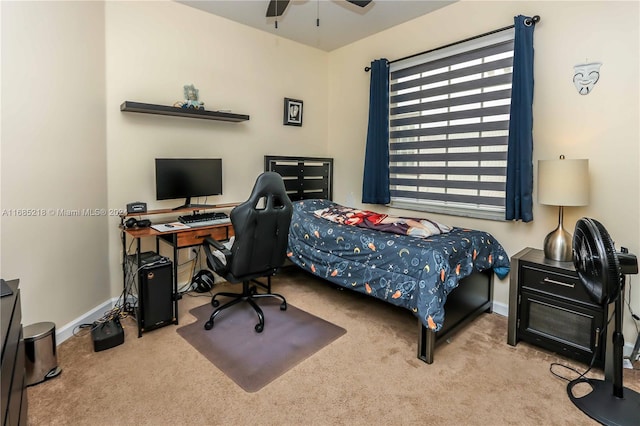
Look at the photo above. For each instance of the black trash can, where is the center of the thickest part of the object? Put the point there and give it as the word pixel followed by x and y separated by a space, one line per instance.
pixel 41 361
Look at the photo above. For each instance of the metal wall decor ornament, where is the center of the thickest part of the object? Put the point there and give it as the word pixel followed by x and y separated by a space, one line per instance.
pixel 585 76
pixel 292 112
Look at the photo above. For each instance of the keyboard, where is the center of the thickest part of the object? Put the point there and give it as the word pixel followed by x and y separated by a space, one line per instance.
pixel 204 219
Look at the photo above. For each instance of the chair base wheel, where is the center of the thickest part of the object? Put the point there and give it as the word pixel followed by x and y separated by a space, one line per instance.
pixel 249 295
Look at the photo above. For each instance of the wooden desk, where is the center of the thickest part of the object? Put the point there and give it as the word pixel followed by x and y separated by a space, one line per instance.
pixel 177 239
pixel 182 238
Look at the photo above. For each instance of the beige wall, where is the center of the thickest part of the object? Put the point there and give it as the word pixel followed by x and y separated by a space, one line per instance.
pixel 153 50
pixel 53 157
pixel 602 126
pixel 65 144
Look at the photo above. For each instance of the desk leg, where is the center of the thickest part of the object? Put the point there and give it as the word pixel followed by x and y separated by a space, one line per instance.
pixel 138 261
pixel 125 275
pixel 123 238
pixel 176 296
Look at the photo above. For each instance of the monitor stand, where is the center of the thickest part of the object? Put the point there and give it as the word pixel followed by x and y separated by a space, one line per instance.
pixel 187 205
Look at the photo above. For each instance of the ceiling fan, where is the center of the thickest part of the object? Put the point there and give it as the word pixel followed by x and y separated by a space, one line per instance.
pixel 277 7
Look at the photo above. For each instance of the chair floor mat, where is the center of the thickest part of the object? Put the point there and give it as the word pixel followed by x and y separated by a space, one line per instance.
pixel 253 360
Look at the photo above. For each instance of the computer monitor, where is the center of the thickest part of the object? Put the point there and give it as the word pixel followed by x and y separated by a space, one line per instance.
pixel 187 178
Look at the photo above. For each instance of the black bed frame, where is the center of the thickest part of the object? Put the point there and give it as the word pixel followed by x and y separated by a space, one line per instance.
pixel 304 177
pixel 312 177
pixel 472 297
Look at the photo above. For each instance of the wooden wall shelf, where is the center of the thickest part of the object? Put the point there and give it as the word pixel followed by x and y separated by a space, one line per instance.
pixel 129 106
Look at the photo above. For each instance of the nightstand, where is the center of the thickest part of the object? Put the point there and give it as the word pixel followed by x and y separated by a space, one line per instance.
pixel 549 307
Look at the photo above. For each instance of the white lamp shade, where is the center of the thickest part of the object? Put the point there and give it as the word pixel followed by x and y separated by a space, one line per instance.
pixel 563 182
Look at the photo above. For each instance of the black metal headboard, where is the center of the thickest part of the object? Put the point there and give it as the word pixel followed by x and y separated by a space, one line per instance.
pixel 304 177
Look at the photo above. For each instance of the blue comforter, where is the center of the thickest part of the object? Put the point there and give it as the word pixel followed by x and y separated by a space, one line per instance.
pixel 415 273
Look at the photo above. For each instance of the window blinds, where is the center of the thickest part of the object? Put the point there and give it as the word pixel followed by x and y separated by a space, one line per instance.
pixel 449 121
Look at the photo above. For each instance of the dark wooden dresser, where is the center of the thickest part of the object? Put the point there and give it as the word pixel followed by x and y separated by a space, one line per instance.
pixel 13 391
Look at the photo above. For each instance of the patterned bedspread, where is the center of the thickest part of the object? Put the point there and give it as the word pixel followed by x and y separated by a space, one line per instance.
pixel 415 273
pixel 415 227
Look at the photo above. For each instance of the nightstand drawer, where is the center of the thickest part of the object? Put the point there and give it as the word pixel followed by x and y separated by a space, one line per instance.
pixel 556 284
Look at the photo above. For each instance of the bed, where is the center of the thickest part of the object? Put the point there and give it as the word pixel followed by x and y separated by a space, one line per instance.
pixel 443 270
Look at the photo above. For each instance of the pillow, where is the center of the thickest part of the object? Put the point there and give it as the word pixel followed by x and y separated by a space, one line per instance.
pixel 415 227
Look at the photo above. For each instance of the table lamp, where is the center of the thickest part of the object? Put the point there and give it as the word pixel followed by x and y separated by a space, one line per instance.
pixel 562 183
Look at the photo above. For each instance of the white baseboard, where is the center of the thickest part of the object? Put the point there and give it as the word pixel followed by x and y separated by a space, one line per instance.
pixel 501 308
pixel 67 330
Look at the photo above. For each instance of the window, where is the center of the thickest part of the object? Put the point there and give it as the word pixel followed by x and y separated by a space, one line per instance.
pixel 448 128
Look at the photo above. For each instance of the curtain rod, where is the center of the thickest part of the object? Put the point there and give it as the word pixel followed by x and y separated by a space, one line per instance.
pixel 527 22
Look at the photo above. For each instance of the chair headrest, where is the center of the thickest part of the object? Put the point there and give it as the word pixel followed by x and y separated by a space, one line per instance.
pixel 269 183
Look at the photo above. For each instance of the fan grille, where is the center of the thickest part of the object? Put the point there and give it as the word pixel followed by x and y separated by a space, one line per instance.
pixel 595 260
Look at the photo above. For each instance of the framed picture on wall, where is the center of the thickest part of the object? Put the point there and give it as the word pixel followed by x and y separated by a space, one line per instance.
pixel 292 112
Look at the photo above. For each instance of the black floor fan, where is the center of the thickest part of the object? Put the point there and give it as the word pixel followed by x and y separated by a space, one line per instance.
pixel 602 271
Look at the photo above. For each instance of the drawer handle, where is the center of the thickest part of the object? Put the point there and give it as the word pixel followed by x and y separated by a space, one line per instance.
pixel 550 281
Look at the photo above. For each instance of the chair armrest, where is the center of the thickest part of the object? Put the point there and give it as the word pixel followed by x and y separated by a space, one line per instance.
pixel 215 263
pixel 215 243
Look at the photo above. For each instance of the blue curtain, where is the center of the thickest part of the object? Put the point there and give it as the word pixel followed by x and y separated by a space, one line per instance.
pixel 519 200
pixel 375 185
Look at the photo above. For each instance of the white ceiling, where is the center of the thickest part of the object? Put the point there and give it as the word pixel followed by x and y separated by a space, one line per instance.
pixel 341 23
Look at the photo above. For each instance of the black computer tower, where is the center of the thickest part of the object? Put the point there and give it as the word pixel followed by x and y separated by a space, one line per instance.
pixel 155 292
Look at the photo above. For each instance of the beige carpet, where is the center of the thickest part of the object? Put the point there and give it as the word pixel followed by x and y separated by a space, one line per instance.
pixel 369 376
pixel 251 359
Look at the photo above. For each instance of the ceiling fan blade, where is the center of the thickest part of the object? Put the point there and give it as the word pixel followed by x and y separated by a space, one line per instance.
pixel 276 7
pixel 361 3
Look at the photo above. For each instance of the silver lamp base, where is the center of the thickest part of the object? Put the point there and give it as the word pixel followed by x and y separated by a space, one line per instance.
pixel 559 243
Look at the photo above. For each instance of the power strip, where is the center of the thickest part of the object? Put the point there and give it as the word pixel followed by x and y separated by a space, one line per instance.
pixel 106 335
